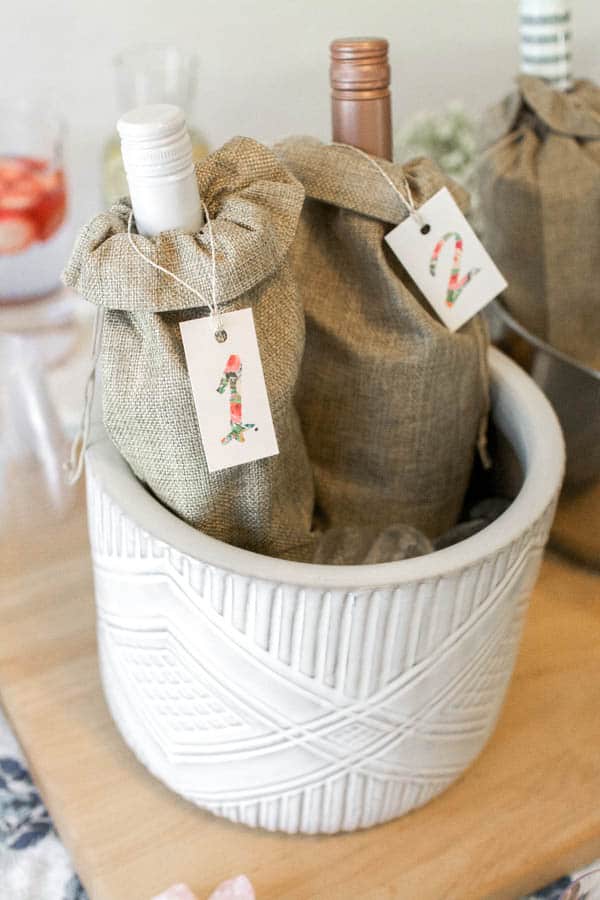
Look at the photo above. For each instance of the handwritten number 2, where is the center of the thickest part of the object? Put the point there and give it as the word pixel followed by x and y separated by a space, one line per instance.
pixel 455 282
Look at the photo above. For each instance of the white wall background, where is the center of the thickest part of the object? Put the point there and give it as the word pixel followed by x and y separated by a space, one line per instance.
pixel 264 63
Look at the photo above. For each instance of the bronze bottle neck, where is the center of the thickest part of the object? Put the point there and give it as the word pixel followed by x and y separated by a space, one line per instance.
pixel 360 66
pixel 360 93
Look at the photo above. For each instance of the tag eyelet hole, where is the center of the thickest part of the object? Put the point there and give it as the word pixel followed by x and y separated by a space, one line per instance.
pixel 425 229
pixel 221 336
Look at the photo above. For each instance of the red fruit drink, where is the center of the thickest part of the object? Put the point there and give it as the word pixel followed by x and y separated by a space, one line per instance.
pixel 32 202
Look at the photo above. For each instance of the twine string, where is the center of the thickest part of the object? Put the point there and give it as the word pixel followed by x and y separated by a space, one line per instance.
pixel 212 302
pixel 74 466
pixel 407 201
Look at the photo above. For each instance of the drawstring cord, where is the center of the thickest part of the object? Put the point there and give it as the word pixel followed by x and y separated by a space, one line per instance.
pixel 407 201
pixel 74 466
pixel 212 304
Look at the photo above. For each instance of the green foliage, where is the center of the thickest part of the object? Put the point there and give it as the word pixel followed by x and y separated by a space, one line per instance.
pixel 449 138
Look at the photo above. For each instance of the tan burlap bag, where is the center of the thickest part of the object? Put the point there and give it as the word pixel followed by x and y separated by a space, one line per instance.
pixel 391 402
pixel 254 205
pixel 540 201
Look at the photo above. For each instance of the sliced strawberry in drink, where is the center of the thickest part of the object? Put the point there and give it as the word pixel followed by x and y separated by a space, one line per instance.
pixel 50 209
pixel 12 168
pixel 37 165
pixel 32 197
pixel 49 214
pixel 17 232
pixel 23 194
pixel 47 181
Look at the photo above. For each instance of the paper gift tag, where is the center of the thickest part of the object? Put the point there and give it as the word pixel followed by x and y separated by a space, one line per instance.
pixel 448 262
pixel 229 390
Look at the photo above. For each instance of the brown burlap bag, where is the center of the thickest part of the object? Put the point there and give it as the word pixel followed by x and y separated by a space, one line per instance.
pixel 254 205
pixel 540 202
pixel 391 402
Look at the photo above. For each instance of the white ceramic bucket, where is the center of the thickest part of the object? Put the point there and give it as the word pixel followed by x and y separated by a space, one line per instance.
pixel 308 698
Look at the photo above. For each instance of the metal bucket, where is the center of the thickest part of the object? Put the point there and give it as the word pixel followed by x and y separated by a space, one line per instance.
pixel 574 391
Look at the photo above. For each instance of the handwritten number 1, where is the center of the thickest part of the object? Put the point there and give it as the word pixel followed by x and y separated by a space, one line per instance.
pixel 231 376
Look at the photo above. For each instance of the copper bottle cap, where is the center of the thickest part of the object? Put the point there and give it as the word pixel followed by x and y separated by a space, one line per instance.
pixel 360 66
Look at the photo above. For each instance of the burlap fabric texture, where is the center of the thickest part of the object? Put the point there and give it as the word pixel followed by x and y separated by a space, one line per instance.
pixel 254 205
pixel 391 402
pixel 540 202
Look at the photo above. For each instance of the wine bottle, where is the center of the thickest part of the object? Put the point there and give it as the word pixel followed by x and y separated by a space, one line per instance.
pixel 545 30
pixel 158 161
pixel 360 95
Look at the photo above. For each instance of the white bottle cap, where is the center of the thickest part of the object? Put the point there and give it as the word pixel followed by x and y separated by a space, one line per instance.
pixel 158 159
pixel 155 142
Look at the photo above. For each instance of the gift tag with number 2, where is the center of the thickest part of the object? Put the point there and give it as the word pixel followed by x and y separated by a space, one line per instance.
pixel 229 390
pixel 446 260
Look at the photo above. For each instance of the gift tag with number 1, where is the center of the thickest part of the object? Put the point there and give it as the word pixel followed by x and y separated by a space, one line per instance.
pixel 446 260
pixel 229 390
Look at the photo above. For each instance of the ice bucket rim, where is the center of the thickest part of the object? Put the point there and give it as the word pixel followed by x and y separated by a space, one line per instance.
pixel 520 411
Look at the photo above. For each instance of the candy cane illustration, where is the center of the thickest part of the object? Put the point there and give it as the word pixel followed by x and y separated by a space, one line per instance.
pixel 455 283
pixel 231 376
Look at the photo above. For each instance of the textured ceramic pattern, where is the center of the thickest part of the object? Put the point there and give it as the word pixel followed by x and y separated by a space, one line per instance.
pixel 300 709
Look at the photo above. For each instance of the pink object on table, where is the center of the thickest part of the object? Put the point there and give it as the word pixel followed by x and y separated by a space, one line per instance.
pixel 176 892
pixel 238 888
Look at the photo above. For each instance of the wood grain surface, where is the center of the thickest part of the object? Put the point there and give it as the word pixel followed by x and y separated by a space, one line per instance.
pixel 527 811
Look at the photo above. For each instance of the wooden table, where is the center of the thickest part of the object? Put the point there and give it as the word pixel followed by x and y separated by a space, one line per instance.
pixel 527 811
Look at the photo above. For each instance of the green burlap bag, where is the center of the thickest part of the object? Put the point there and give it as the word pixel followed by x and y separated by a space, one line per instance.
pixel 392 403
pixel 254 205
pixel 540 203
